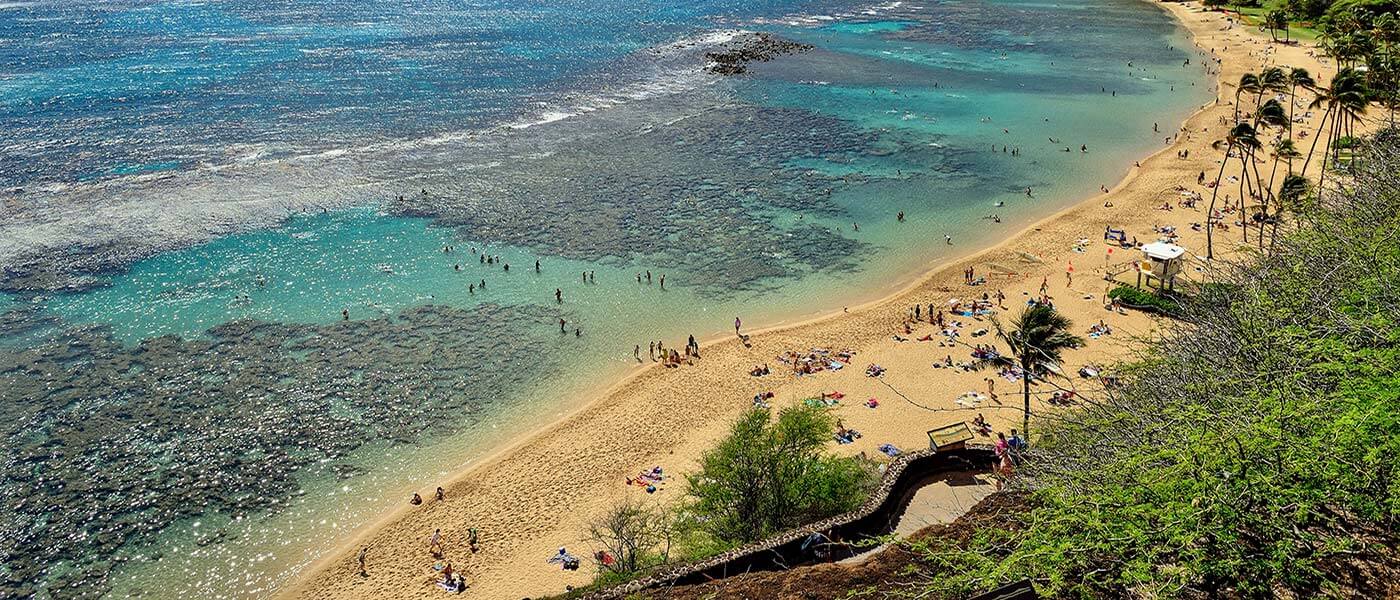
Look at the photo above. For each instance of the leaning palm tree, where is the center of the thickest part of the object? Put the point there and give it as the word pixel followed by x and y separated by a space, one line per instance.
pixel 1240 134
pixel 1269 114
pixel 1284 149
pixel 1346 101
pixel 1039 337
pixel 1249 82
pixel 1298 77
pixel 1272 79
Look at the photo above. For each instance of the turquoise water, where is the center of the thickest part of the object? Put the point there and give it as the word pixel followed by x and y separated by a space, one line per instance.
pixel 179 375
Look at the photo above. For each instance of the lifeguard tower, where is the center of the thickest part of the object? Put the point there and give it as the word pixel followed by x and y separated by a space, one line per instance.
pixel 1160 261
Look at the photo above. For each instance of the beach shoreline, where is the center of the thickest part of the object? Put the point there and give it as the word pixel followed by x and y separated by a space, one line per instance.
pixel 679 413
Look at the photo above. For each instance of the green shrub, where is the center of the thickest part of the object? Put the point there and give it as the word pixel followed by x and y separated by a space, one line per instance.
pixel 1144 299
pixel 770 475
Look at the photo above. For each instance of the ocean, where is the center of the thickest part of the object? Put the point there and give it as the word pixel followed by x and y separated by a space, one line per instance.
pixel 255 284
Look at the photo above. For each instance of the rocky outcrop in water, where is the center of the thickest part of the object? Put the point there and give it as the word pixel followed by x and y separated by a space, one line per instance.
pixel 759 47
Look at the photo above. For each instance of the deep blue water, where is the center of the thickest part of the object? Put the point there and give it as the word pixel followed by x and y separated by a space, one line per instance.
pixel 89 89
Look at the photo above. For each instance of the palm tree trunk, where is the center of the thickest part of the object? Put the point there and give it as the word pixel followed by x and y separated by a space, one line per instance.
pixel 1292 99
pixel 1244 179
pixel 1321 126
pixel 1326 149
pixel 1278 214
pixel 1026 395
pixel 1210 212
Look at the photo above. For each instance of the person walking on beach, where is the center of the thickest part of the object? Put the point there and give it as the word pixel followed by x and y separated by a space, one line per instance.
pixel 558 295
pixel 364 550
pixel 537 265
pixel 561 325
pixel 637 352
pixel 435 543
pixel 737 324
pixel 651 351
pixel 663 281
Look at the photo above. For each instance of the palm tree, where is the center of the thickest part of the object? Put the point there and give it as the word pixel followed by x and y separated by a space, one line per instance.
pixel 1270 113
pixel 1272 79
pixel 1039 338
pixel 1298 77
pixel 1240 134
pixel 1346 101
pixel 1249 82
pixel 1275 21
pixel 1291 195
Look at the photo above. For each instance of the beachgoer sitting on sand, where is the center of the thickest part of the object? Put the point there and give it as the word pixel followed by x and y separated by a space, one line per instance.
pixel 565 560
pixel 846 436
pixel 874 371
pixel 980 425
pixel 416 500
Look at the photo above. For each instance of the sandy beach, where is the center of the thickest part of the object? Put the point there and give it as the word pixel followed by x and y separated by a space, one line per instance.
pixel 535 496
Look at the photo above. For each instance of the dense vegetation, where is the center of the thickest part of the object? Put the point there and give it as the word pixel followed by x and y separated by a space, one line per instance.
pixel 1251 452
pixel 1358 33
pixel 768 475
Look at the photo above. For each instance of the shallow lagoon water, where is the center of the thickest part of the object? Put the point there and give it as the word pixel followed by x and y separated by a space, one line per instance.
pixel 204 420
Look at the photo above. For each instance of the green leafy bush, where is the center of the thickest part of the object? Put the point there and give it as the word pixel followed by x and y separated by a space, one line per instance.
pixel 1143 299
pixel 770 475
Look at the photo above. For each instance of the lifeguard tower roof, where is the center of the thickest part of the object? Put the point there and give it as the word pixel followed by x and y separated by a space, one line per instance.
pixel 1163 250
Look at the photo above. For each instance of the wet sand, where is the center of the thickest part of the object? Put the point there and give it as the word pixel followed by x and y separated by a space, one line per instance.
pixel 535 496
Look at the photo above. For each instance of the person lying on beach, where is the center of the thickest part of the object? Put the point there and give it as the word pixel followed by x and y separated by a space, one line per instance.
pixel 759 370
